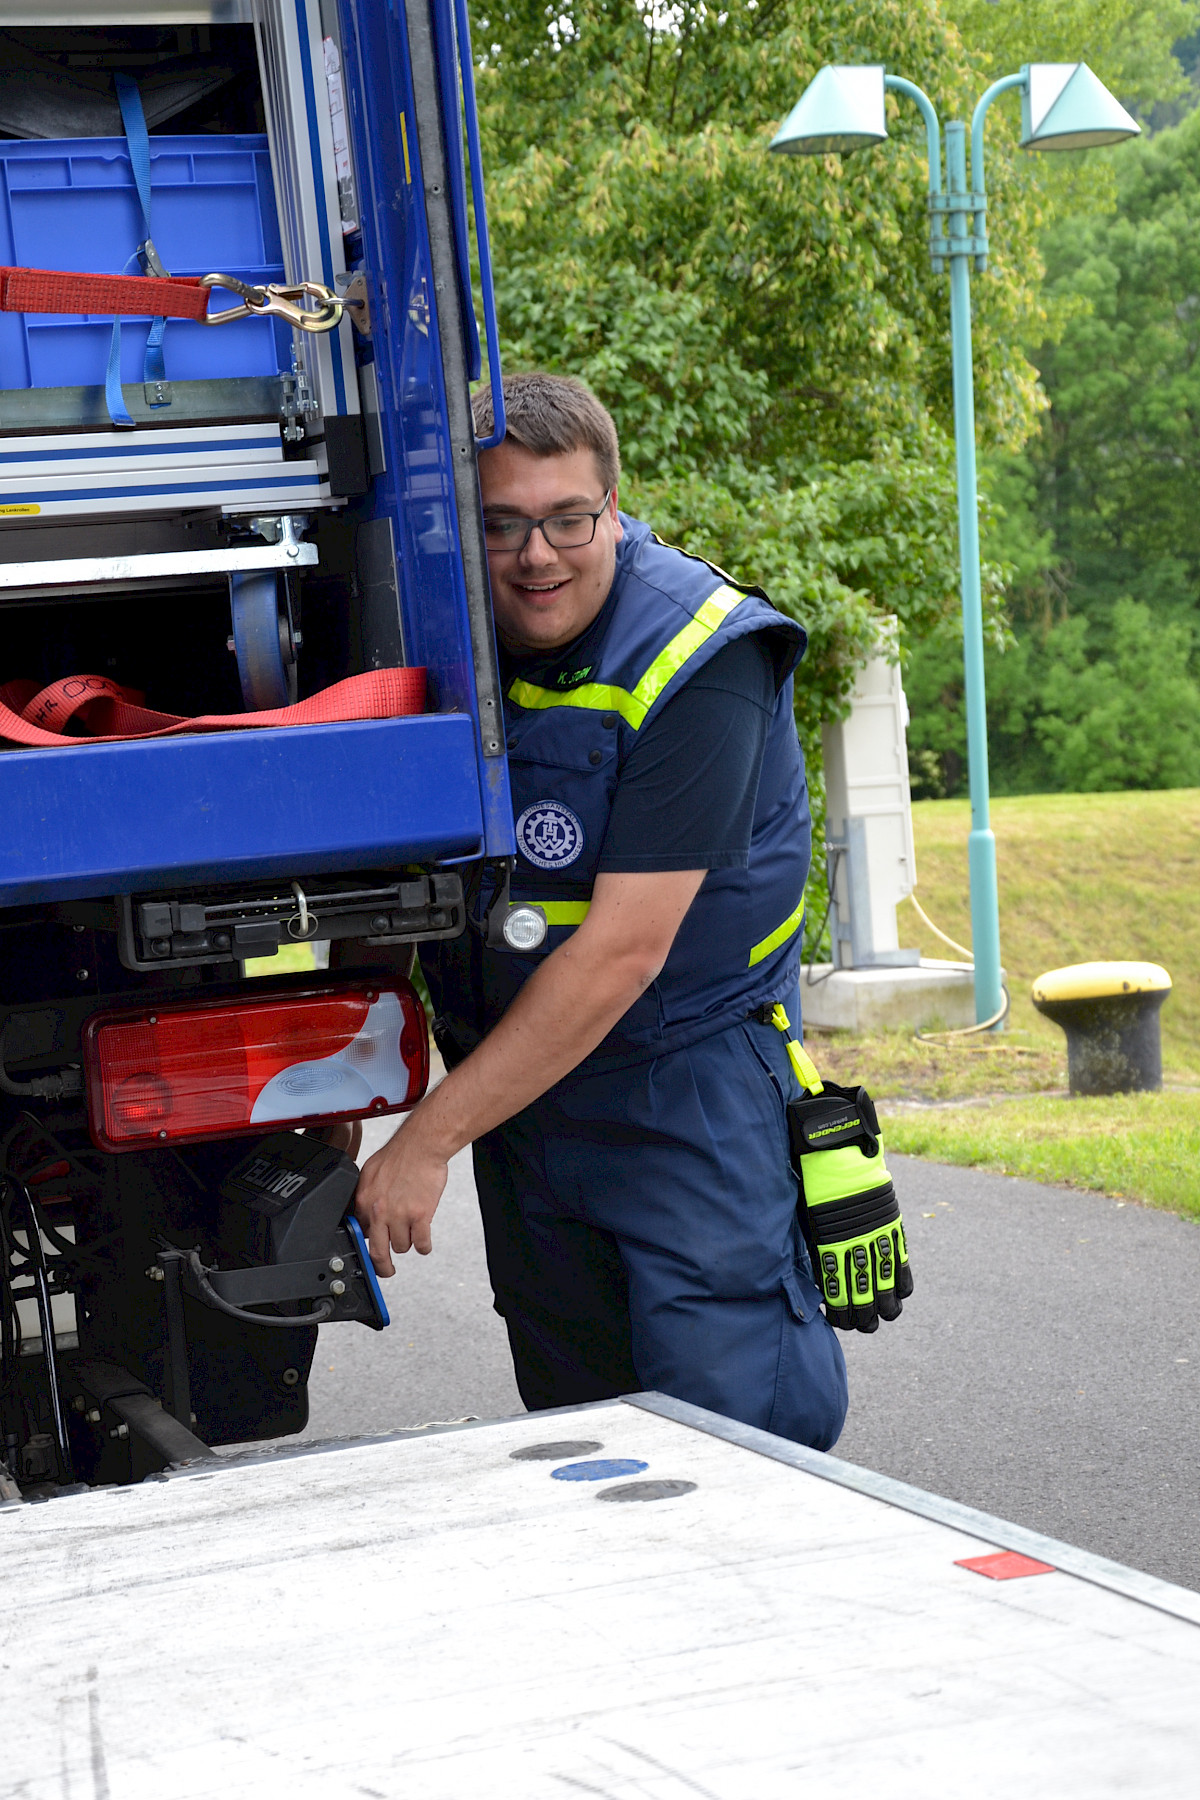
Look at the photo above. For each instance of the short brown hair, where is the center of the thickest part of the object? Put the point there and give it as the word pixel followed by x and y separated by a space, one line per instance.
pixel 551 415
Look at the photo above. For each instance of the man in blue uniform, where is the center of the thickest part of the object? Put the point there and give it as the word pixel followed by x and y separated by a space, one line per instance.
pixel 622 1082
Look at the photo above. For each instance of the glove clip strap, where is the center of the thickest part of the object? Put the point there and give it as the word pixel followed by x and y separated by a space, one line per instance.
pixel 803 1066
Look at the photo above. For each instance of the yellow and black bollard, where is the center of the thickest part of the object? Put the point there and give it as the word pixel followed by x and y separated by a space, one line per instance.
pixel 1110 1013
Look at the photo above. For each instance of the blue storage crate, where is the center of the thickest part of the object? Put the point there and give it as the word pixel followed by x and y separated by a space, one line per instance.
pixel 72 204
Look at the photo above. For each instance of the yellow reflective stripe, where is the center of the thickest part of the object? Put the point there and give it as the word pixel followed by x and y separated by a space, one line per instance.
pixel 592 694
pixel 685 643
pixel 563 912
pixel 633 707
pixel 780 935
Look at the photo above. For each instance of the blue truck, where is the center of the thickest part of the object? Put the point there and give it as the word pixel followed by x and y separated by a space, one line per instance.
pixel 204 523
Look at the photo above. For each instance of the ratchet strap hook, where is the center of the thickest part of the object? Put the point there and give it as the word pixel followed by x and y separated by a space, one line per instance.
pixel 278 301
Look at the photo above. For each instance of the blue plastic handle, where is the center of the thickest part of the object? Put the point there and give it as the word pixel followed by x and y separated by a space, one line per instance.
pixel 382 1316
pixel 475 157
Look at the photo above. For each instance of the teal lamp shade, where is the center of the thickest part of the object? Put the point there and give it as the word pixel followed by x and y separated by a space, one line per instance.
pixel 840 109
pixel 1065 107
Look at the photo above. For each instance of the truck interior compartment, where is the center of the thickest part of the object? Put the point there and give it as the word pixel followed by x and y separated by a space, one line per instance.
pixel 169 647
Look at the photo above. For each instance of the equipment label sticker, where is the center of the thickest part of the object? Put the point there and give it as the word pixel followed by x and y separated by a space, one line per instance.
pixel 7 511
pixel 549 834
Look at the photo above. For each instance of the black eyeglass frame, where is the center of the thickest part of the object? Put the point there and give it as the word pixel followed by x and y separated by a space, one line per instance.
pixel 532 525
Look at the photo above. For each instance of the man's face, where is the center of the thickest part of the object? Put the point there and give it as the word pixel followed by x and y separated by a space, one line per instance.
pixel 544 597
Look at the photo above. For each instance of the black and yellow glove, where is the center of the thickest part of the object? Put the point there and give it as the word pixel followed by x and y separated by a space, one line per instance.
pixel 848 1206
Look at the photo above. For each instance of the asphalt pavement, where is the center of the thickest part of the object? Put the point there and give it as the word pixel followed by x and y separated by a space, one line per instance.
pixel 1046 1369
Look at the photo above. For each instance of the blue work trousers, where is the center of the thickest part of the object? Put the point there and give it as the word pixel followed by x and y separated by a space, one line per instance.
pixel 641 1233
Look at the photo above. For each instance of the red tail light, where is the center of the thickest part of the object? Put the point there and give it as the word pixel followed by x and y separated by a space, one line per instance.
pixel 223 1067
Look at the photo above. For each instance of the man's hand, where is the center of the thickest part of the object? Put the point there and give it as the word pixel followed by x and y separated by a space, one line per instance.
pixel 563 1011
pixel 397 1196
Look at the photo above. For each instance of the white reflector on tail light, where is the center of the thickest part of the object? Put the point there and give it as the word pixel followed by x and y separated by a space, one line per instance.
pixel 218 1068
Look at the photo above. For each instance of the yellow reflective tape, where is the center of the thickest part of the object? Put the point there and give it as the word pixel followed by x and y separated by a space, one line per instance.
pixel 684 644
pixel 780 935
pixel 633 707
pixel 593 694
pixel 563 912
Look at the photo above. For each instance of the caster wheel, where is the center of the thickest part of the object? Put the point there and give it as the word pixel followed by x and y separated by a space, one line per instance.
pixel 263 641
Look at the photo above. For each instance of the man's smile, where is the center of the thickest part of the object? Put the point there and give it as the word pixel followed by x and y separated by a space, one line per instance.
pixel 541 587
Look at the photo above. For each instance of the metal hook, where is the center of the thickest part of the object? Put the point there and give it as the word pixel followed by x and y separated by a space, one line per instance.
pixel 302 916
pixel 278 301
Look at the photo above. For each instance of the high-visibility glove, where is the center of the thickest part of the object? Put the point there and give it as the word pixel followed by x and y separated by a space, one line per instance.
pixel 849 1209
pixel 848 1206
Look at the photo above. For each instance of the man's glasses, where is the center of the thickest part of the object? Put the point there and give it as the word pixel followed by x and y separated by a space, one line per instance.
pixel 562 531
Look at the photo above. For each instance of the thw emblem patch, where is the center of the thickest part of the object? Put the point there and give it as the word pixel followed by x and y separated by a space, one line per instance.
pixel 549 834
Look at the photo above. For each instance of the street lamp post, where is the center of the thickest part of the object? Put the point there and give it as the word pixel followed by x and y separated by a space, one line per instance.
pixel 1064 107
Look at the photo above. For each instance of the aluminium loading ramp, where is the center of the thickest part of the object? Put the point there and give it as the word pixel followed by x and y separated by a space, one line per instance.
pixel 436 1615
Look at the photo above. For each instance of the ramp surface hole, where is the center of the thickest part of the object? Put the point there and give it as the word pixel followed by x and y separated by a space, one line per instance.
pixel 648 1490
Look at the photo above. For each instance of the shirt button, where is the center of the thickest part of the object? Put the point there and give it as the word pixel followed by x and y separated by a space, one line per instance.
pixel 608 720
pixel 595 756
pixel 511 744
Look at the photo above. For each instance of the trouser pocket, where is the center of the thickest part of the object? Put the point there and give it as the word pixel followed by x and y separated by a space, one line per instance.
pixel 799 1287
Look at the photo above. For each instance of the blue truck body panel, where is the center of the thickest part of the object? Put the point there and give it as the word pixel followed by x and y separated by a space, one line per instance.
pixel 131 817
pixel 417 490
pixel 117 818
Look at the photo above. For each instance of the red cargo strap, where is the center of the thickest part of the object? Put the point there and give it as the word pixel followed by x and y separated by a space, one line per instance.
pixel 55 291
pixel 28 716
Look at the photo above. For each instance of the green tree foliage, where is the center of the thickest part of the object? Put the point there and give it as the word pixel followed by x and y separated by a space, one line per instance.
pixel 1129 43
pixel 773 344
pixel 766 330
pixel 1064 713
pixel 1095 521
pixel 1119 463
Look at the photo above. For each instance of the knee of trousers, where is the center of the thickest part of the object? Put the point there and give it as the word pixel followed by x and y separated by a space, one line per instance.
pixel 754 1359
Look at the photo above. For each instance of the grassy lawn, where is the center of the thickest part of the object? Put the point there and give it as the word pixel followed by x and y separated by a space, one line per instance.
pixel 1138 1146
pixel 896 1065
pixel 1082 878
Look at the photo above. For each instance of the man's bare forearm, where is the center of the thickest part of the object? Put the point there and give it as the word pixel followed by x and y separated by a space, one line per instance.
pixel 563 1011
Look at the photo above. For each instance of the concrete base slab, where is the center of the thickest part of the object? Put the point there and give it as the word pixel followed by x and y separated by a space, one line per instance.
pixel 935 994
